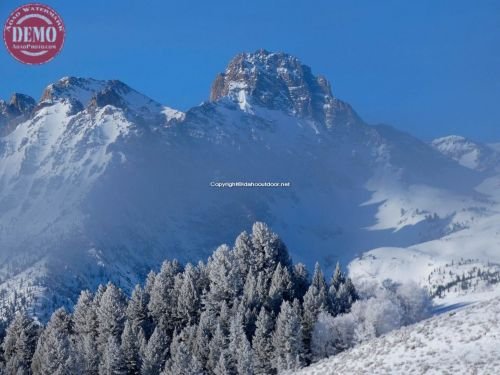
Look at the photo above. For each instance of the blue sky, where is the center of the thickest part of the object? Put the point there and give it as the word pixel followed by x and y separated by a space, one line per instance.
pixel 428 67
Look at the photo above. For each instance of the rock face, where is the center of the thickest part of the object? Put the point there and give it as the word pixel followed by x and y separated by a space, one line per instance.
pixel 279 81
pixel 16 110
pixel 20 104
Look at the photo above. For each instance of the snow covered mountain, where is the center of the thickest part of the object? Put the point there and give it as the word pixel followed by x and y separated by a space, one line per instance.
pixel 98 181
pixel 460 342
pixel 473 155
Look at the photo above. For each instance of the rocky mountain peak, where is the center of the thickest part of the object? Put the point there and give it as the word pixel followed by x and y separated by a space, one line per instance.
pixel 18 108
pixel 20 104
pixel 85 90
pixel 280 81
pixel 91 93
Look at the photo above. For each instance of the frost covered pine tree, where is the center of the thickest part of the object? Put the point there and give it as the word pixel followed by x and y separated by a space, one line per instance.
pixel 255 290
pixel 85 326
pixel 84 315
pixel 300 280
pixel 163 301
pixel 113 360
pixel 155 353
pixel 55 351
pixel 182 361
pixel 341 293
pixel 240 354
pixel 287 339
pixel 269 250
pixel 137 310
pixel 218 345
pixel 281 288
pixel 315 300
pixel 345 297
pixel 262 344
pixel 19 344
pixel 188 301
pixel 110 315
pixel 244 252
pixel 132 341
pixel 226 280
pixel 204 332
pixel 337 280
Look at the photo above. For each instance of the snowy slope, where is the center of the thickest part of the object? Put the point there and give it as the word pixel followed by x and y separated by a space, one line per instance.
pixel 473 155
pixel 475 240
pixel 104 183
pixel 459 342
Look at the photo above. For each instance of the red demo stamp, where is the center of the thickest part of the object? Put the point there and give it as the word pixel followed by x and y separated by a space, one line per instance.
pixel 34 33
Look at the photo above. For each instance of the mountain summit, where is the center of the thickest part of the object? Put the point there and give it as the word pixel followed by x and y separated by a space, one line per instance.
pixel 17 109
pixel 279 81
pixel 91 93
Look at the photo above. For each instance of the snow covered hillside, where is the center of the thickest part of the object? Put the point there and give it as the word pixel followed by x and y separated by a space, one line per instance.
pixel 99 182
pixel 473 246
pixel 470 154
pixel 458 342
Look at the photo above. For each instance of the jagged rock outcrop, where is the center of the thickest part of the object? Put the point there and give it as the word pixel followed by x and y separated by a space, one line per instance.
pixel 17 109
pixel 279 81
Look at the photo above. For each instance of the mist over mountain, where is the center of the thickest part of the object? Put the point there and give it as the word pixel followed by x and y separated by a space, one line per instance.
pixel 99 182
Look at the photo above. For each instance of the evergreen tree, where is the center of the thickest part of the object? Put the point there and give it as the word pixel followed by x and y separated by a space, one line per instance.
pixel 162 303
pixel 245 364
pixel 218 345
pixel 318 280
pixel 223 366
pixel 85 315
pixel 269 250
pixel 155 353
pixel 255 290
pixel 287 338
pixel 99 293
pixel 341 293
pixel 345 297
pixel 150 282
pixel 300 280
pixel 281 288
pixel 113 362
pixel 239 350
pixel 182 361
pixel 204 333
pixel 88 355
pixel 132 340
pixel 19 344
pixel 244 252
pixel 262 344
pixel 189 299
pixel 226 281
pixel 55 351
pixel 315 300
pixel 110 315
pixel 137 310
pixel 85 326
pixel 337 280
pixel 203 281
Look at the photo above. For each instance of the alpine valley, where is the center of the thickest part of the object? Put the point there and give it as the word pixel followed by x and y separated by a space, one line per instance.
pixel 99 182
